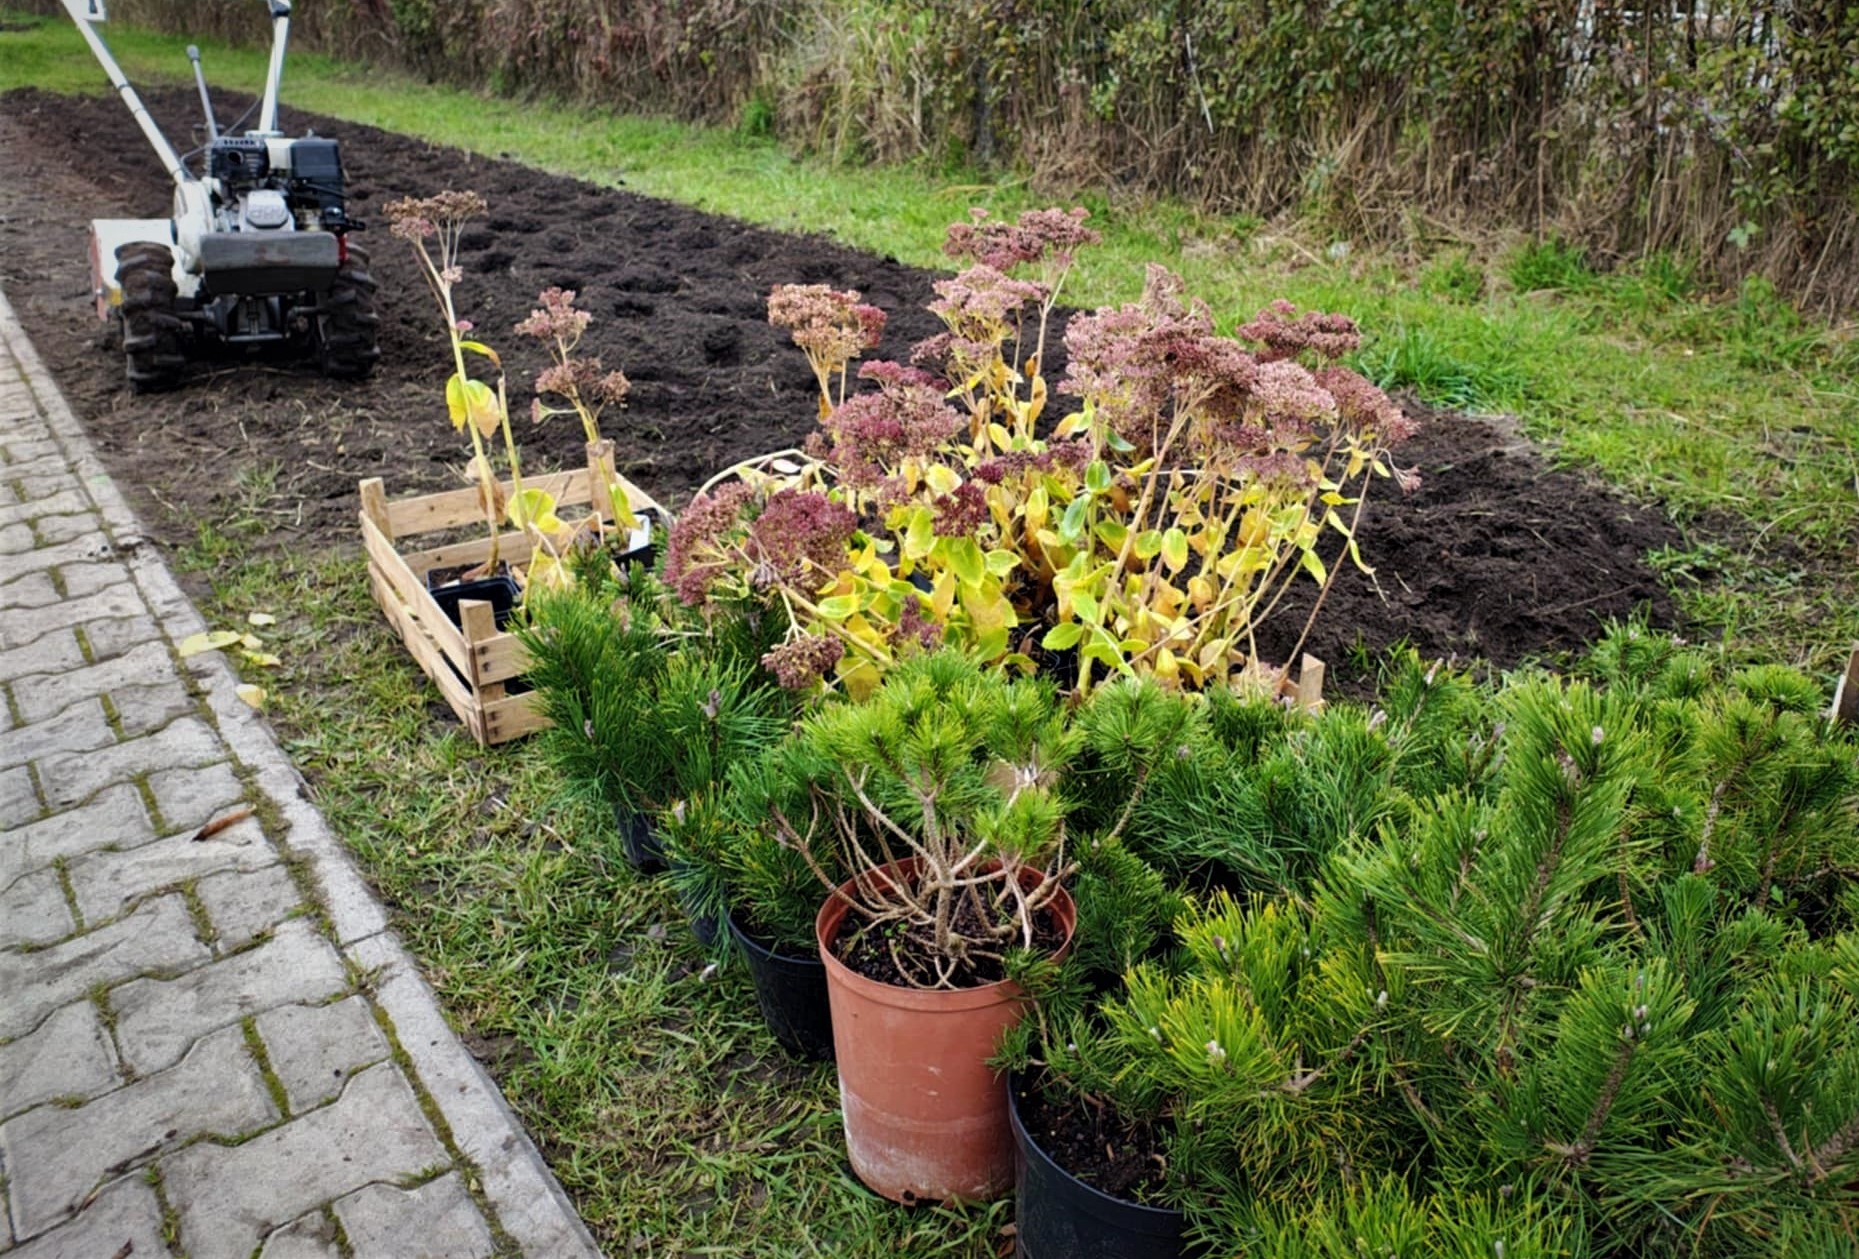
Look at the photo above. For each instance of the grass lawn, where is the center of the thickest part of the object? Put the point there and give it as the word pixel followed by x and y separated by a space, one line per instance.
pixel 669 1114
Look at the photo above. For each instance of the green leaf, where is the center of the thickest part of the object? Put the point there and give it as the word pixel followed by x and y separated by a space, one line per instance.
pixel 1062 637
pixel 839 607
pixel 1175 549
pixel 1084 607
pixel 1314 566
pixel 1117 443
pixel 1071 524
pixel 1097 476
pixel 1149 543
pixel 965 559
pixel 1112 533
pixel 535 509
pixel 1000 563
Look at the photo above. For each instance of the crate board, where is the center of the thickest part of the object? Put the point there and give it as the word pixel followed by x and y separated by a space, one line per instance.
pixel 471 663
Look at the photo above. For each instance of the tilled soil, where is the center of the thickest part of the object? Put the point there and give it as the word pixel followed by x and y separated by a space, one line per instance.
pixel 1496 556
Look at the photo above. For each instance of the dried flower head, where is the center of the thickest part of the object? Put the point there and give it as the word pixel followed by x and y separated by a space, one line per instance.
pixel 831 325
pixel 700 547
pixel 1284 333
pixel 1038 236
pixel 801 536
pixel 1362 405
pixel 556 318
pixel 416 218
pixel 872 432
pixel 800 663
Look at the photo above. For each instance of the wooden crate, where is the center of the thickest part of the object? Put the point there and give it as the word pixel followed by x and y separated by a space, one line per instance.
pixel 471 663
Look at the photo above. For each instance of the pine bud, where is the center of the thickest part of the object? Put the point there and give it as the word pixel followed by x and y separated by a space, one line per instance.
pixel 1381 999
pixel 1215 1054
pixel 1157 1033
pixel 1597 734
pixel 1497 1249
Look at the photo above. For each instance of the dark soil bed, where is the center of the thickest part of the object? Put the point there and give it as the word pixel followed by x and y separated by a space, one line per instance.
pixel 1497 555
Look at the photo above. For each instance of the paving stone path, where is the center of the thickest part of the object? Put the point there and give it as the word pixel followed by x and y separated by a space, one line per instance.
pixel 209 1047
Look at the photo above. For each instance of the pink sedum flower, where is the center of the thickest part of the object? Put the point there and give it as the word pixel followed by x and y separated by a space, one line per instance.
pixel 801 536
pixel 1284 333
pixel 1037 236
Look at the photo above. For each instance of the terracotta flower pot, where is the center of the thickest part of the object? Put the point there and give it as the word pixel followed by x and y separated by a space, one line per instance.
pixel 925 1117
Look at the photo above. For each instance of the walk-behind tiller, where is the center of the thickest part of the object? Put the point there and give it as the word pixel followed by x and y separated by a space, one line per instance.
pixel 258 252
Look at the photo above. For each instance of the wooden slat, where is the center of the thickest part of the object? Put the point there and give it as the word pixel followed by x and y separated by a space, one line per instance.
pixel 513 717
pixel 500 658
pixel 451 508
pixel 1846 694
pixel 426 655
pixel 1310 684
pixel 413 594
pixel 449 654
pixel 512 548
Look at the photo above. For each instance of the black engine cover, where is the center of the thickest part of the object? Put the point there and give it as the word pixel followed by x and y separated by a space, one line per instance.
pixel 239 160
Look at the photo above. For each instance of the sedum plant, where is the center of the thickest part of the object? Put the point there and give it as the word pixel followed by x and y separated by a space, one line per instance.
pixel 1588 984
pixel 433 226
pixel 1146 533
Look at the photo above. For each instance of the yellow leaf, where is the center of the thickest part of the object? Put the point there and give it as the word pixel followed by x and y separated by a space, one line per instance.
pixel 1038 508
pixel 263 659
pixel 1175 549
pixel 1200 592
pixel 214 640
pixel 920 536
pixel 474 401
pixel 534 509
pixel 251 642
pixel 1167 668
pixel 478 347
pixel 260 619
pixel 942 478
pixel 253 695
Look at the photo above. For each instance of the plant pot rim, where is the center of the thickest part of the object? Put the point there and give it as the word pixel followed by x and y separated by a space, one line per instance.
pixel 749 940
pixel 832 916
pixel 1015 1080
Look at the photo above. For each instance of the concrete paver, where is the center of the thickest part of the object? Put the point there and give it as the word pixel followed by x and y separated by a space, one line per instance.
pixel 187 1063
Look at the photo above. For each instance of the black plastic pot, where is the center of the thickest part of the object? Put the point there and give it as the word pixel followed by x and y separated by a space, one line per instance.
pixel 641 545
pixel 1058 1216
pixel 644 852
pixel 502 593
pixel 792 994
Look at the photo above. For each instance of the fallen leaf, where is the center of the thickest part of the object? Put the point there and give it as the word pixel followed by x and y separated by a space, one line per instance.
pixel 260 618
pixel 214 640
pixel 263 659
pixel 251 642
pixel 253 695
pixel 219 824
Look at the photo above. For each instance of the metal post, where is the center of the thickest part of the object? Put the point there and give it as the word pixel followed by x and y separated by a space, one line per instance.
pixel 177 169
pixel 206 101
pixel 274 75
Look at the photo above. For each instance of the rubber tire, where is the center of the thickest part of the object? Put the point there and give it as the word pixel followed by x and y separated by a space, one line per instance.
pixel 347 329
pixel 153 347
